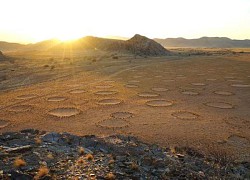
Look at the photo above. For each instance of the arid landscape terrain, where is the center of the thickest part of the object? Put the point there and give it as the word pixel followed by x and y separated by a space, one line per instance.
pixel 198 98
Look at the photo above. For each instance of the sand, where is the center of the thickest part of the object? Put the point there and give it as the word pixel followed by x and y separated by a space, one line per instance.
pixel 183 101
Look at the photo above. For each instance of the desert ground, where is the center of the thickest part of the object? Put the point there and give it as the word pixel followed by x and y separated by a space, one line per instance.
pixel 196 100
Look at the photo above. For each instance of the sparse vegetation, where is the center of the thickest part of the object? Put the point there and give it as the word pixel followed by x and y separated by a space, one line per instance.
pixel 52 67
pixel 111 161
pixel 220 156
pixel 50 156
pixel 19 163
pixel 38 141
pixel 80 161
pixel 110 176
pixel 134 166
pixel 90 157
pixel 42 171
pixel 81 151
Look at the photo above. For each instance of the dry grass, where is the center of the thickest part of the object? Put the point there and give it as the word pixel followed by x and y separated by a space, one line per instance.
pixel 19 163
pixel 38 141
pixel 90 157
pixel 42 171
pixel 110 176
pixel 111 161
pixel 80 161
pixel 50 156
pixel 81 151
pixel 134 166
pixel 221 156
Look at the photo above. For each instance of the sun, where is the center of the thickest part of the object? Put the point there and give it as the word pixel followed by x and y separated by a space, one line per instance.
pixel 68 36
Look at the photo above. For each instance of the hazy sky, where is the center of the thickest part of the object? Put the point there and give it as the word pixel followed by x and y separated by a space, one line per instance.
pixel 36 20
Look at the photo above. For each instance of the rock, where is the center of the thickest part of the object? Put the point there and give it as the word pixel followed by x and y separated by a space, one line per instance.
pixel 121 158
pixel 143 46
pixel 147 161
pixel 21 149
pixel 51 137
pixel 104 150
pixel 88 151
pixel 30 131
pixel 125 157
pixel 15 175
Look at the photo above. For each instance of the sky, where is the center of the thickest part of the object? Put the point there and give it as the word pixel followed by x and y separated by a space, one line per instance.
pixel 28 21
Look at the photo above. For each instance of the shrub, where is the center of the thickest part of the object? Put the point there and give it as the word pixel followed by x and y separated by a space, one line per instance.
pixel 89 157
pixel 19 163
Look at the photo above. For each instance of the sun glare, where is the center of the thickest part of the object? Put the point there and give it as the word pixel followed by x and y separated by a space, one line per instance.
pixel 68 20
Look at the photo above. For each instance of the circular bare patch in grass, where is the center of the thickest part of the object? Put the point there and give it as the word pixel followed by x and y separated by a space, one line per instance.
pixel 104 86
pixel 235 80
pixel 229 77
pixel 122 115
pixel 224 93
pixel 64 112
pixel 56 99
pixel 159 89
pixel 238 140
pixel 198 84
pixel 113 123
pixel 105 93
pixel 241 85
pixel 159 103
pixel 131 86
pixel 185 115
pixel 109 101
pixel 20 108
pixel 77 91
pixel 192 93
pixel 201 74
pixel 134 81
pixel 73 85
pixel 220 105
pixel 109 81
pixel 147 94
pixel 180 77
pixel 211 79
pixel 26 96
pixel 3 123
pixel 168 80
pixel 137 76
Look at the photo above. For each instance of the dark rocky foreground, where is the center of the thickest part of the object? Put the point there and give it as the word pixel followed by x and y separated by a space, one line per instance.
pixel 35 154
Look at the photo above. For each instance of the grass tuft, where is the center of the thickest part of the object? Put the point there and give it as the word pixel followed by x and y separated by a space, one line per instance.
pixel 81 151
pixel 110 176
pixel 19 163
pixel 90 157
pixel 42 171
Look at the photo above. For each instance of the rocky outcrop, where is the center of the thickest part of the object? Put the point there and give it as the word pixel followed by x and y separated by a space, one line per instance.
pixel 50 155
pixel 137 45
pixel 141 45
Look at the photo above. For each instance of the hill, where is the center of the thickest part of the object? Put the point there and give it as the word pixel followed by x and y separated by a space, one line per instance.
pixel 138 45
pixel 204 42
pixel 6 46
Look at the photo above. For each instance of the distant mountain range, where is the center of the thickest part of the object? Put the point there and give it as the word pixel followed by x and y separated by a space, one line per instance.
pixel 138 45
pixel 204 42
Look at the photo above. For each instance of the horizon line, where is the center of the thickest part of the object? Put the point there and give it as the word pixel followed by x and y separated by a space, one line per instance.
pixel 115 38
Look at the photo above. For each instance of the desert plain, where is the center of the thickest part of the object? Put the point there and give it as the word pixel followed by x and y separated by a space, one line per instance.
pixel 200 100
